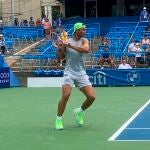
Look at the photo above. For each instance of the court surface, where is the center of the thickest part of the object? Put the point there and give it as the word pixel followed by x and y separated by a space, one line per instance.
pixel 27 117
pixel 137 128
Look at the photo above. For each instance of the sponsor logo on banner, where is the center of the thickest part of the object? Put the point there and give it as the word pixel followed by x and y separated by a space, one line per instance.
pixel 133 77
pixel 98 78
pixel 4 77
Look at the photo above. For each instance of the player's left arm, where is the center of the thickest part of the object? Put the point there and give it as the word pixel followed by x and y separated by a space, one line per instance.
pixel 83 49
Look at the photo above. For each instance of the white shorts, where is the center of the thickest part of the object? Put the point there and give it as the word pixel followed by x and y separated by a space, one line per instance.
pixel 79 81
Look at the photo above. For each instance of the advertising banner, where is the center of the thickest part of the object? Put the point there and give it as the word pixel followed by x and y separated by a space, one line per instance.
pixel 99 77
pixel 4 77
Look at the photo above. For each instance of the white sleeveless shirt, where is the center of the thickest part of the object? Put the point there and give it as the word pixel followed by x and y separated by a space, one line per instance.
pixel 74 59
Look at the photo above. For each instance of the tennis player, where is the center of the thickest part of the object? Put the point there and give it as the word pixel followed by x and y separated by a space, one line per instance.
pixel 75 74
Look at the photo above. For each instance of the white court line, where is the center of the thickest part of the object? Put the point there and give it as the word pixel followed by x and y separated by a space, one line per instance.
pixel 138 128
pixel 118 132
pixel 133 140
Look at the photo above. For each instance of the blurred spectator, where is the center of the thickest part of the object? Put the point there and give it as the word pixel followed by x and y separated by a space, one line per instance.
pixel 16 22
pixel 38 22
pixel 106 57
pixel 144 15
pixel 124 65
pixel 21 22
pixel 54 24
pixel 47 27
pixel 138 55
pixel 131 47
pixel 59 21
pixel 1 21
pixel 31 22
pixel 25 22
pixel 44 18
pixel 105 41
pixel 145 42
pixel 2 45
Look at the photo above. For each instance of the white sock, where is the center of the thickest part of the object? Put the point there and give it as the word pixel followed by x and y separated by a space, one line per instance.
pixel 80 109
pixel 59 117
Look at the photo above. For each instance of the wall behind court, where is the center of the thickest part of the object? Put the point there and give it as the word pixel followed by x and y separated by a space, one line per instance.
pixel 24 9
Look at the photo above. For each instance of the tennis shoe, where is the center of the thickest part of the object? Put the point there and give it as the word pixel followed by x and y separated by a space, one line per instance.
pixel 59 124
pixel 78 116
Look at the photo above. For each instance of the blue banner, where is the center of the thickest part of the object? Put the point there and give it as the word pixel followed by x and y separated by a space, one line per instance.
pixel 99 77
pixel 4 77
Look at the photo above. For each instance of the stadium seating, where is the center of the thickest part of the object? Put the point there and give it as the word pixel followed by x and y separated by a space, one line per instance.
pixel 23 32
pixel 119 34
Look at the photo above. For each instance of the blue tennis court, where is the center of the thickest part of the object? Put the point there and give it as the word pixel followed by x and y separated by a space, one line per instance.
pixel 137 128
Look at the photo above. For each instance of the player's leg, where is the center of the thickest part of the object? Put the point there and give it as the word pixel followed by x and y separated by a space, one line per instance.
pixel 90 96
pixel 66 90
pixel 85 86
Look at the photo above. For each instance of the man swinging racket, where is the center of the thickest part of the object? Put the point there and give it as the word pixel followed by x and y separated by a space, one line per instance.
pixel 74 73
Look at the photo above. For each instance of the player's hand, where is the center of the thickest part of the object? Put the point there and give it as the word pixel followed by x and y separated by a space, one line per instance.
pixel 66 44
